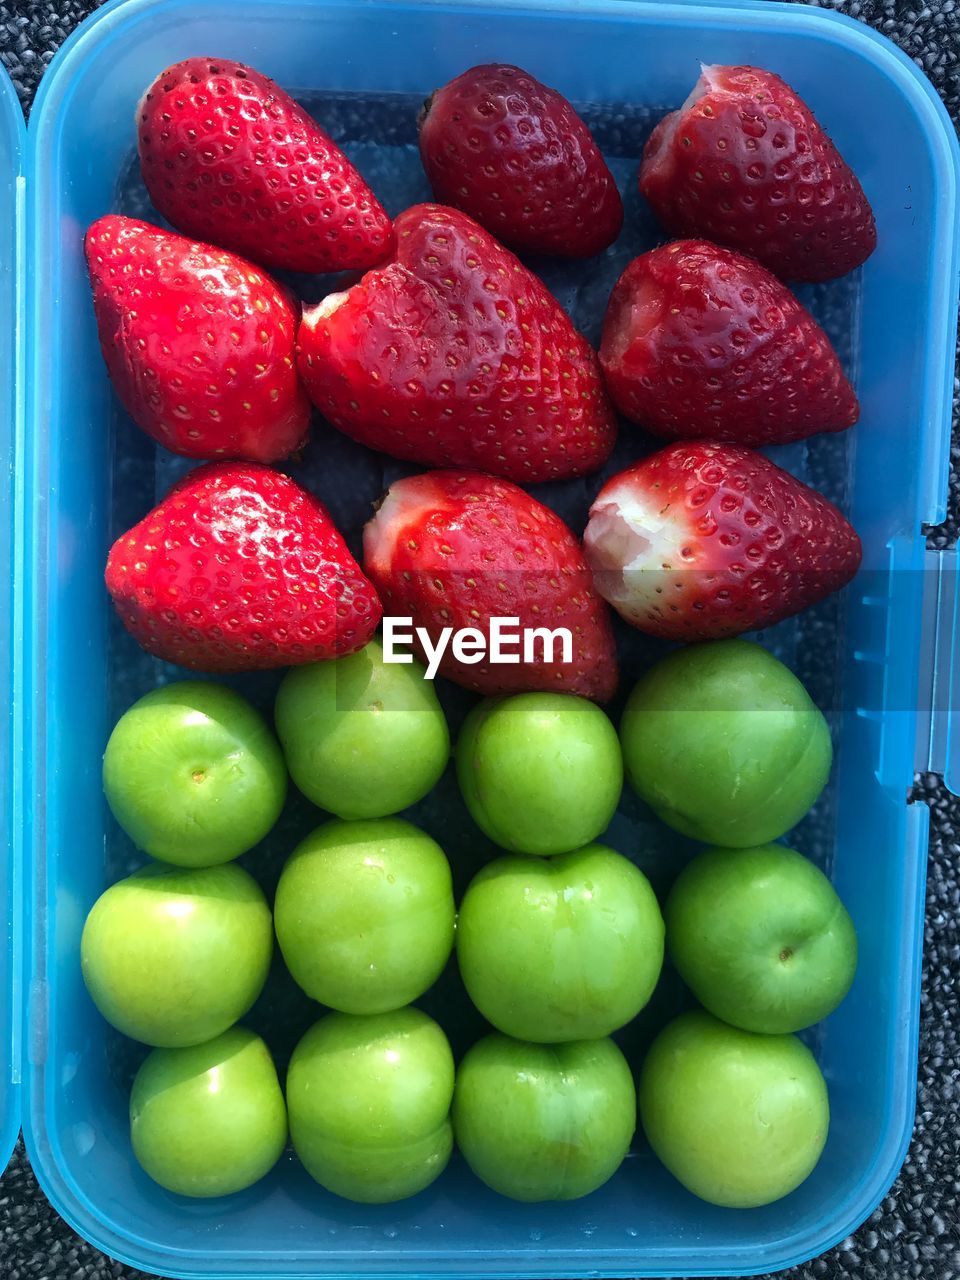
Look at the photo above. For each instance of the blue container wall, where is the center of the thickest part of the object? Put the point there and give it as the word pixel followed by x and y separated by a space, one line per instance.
pixel 889 474
pixel 11 149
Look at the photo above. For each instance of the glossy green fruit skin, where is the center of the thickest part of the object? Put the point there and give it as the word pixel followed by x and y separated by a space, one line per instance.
pixel 724 744
pixel 562 948
pixel 193 774
pixel 365 914
pixel 541 773
pixel 369 1101
pixel 761 938
pixel 740 1119
pixel 363 738
pixel 173 957
pixel 544 1122
pixel 209 1120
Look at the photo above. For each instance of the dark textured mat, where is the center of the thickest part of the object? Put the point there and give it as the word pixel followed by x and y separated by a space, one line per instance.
pixel 915 1233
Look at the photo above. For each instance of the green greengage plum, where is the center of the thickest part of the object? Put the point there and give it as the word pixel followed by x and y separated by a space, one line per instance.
pixel 174 956
pixel 363 738
pixel 194 774
pixel 369 1100
pixel 724 743
pixel 209 1120
pixel 761 937
pixel 544 1122
pixel 740 1119
pixel 541 773
pixel 562 948
pixel 365 914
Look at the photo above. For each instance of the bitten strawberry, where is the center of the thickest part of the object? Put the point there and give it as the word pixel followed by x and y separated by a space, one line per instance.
pixel 501 146
pixel 240 568
pixel 700 342
pixel 453 354
pixel 745 162
pixel 199 343
pixel 453 550
pixel 701 541
pixel 229 157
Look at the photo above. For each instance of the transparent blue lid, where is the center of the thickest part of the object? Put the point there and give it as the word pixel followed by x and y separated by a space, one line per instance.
pixel 11 335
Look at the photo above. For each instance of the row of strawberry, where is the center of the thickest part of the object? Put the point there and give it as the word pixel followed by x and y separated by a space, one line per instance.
pixel 450 353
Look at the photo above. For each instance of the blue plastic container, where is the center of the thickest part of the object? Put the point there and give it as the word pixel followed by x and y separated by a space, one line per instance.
pixel 880 656
pixel 11 336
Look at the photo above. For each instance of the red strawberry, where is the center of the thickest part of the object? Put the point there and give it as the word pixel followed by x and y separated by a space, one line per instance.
pixel 701 541
pixel 199 343
pixel 455 550
pixel 515 155
pixel 229 157
pixel 237 569
pixel 745 162
pixel 455 355
pixel 700 342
